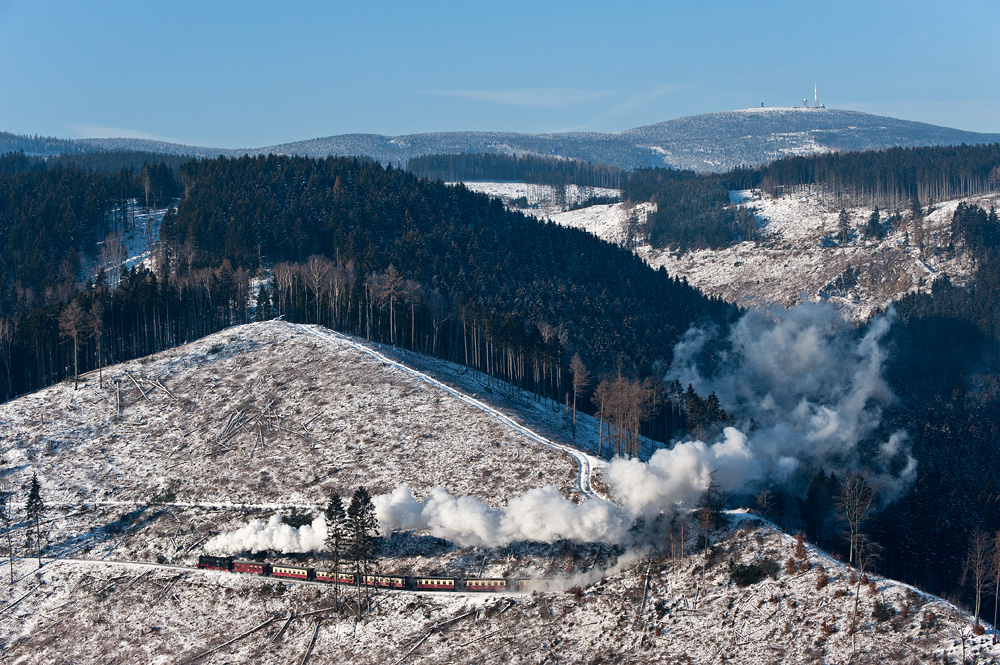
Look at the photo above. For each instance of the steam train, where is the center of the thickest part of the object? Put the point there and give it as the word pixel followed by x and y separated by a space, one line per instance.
pixel 411 583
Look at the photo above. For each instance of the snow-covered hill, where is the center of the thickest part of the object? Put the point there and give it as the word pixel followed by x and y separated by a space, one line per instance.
pixel 269 413
pixel 272 417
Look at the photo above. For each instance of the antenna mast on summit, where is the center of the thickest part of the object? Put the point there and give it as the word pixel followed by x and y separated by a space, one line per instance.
pixel 816 94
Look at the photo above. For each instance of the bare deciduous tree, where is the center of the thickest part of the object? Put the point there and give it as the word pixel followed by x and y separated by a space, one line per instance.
pixel 601 397
pixel 113 255
pixel 868 554
pixel 389 289
pixel 316 274
pixel 624 404
pixel 7 520
pixel 581 379
pixel 413 295
pixel 341 282
pixel 71 327
pixel 241 292
pixel 284 279
pixel 95 323
pixel 854 500
pixel 765 503
pixel 995 574
pixel 437 305
pixel 976 569
pixel 6 341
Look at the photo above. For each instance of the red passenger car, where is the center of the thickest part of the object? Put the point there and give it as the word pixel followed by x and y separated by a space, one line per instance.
pixel 384 581
pixel 486 585
pixel 297 572
pixel 332 577
pixel 434 583
pixel 252 567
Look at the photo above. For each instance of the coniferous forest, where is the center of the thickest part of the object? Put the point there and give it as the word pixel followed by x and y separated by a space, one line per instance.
pixel 945 369
pixel 524 168
pixel 694 211
pixel 889 179
pixel 364 249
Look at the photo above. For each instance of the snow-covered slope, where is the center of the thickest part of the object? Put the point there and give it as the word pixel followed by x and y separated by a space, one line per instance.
pixel 267 413
pixel 130 249
pixel 540 200
pixel 687 610
pixel 798 254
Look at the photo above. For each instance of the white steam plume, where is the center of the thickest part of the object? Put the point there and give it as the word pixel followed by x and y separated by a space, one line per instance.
pixel 540 515
pixel 677 475
pixel 813 390
pixel 259 536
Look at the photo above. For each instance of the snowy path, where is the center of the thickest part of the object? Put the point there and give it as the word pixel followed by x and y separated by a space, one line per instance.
pixel 138 503
pixel 583 461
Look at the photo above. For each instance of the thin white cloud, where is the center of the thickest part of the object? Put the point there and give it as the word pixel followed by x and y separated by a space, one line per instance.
pixel 539 97
pixel 628 102
pixel 639 99
pixel 92 131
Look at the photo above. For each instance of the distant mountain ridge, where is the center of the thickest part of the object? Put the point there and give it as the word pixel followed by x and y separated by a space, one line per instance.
pixel 704 143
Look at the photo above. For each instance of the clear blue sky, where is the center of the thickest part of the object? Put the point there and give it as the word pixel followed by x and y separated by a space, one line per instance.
pixel 251 74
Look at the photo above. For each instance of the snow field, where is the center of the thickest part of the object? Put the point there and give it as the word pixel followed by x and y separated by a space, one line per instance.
pixel 540 198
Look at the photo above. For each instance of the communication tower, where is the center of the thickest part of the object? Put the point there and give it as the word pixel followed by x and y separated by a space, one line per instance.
pixel 816 103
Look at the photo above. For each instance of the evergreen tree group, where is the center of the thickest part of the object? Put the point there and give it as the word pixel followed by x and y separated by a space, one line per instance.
pixel 533 169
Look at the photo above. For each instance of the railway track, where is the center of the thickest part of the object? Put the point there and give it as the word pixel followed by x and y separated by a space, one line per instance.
pixel 145 565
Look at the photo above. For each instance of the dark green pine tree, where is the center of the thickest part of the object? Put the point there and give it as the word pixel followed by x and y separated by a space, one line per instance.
pixel 843 227
pixel 709 511
pixel 818 507
pixel 713 409
pixel 363 526
pixel 35 508
pixel 263 309
pixel 337 535
pixel 873 227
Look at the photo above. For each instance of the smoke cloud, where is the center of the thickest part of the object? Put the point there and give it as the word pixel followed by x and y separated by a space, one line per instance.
pixel 640 489
pixel 274 535
pixel 682 473
pixel 539 515
pixel 813 389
